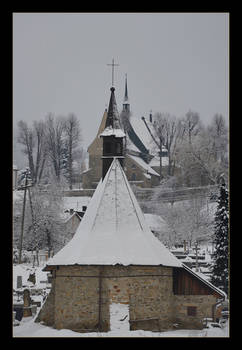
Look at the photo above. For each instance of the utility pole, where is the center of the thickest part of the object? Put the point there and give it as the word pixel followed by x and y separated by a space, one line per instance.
pixel 34 229
pixel 196 248
pixel 185 249
pixel 160 137
pixel 23 214
pixel 100 300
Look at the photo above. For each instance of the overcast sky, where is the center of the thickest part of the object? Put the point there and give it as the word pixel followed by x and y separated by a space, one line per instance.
pixel 174 61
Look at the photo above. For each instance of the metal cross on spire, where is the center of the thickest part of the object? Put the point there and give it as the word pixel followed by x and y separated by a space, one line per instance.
pixel 112 64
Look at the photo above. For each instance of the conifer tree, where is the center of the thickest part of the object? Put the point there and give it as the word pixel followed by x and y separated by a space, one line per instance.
pixel 220 259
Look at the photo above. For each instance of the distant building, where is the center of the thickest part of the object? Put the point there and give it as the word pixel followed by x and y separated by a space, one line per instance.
pixel 142 162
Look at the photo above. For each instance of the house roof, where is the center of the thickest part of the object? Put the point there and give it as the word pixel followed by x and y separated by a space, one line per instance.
pixel 156 222
pixel 144 135
pixel 114 230
pixel 143 164
pixel 156 161
pixel 203 280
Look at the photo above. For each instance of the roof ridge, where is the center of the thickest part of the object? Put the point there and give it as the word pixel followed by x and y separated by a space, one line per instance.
pixel 125 181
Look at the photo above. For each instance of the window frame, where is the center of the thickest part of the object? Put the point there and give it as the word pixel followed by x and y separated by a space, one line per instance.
pixel 191 310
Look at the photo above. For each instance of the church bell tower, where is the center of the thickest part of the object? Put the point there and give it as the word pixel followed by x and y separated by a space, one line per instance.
pixel 112 136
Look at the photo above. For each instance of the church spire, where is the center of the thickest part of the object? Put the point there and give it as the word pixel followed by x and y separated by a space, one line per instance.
pixel 112 118
pixel 112 136
pixel 126 89
pixel 126 106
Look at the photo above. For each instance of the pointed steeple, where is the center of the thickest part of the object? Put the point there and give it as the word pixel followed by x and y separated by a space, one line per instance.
pixel 112 136
pixel 113 118
pixel 126 90
pixel 126 106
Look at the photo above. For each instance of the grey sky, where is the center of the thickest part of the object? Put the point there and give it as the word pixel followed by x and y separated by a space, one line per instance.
pixel 174 61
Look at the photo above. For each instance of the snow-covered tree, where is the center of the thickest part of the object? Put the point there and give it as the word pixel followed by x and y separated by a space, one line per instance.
pixel 44 226
pixel 220 259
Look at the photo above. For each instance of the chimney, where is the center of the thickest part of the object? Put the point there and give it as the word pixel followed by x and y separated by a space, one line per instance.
pixel 71 211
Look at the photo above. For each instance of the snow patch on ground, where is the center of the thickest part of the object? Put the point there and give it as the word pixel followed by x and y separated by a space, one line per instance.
pixel 28 328
pixel 119 318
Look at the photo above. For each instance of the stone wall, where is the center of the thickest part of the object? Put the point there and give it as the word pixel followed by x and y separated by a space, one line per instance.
pixel 81 297
pixel 47 311
pixel 204 308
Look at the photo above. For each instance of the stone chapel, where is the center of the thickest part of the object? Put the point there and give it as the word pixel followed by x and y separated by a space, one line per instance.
pixel 115 258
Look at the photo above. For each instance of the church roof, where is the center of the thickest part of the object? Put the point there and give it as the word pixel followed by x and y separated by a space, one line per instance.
pixel 112 126
pixel 146 167
pixel 112 117
pixel 143 134
pixel 113 230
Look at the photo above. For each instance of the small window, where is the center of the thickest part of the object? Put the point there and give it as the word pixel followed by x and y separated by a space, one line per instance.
pixel 191 311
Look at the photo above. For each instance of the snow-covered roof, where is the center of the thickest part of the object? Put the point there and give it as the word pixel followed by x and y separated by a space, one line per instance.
pixel 69 216
pixel 201 278
pixel 156 161
pixel 144 135
pixel 109 131
pixel 141 130
pixel 143 165
pixel 156 222
pixel 114 230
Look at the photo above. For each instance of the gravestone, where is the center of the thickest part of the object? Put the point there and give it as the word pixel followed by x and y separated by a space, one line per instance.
pixel 19 282
pixel 32 278
pixel 27 304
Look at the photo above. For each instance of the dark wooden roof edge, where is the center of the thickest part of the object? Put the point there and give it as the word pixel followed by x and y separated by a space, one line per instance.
pixel 209 284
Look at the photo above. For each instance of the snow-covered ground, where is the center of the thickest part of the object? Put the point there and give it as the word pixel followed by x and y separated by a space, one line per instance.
pixel 28 328
pixel 119 323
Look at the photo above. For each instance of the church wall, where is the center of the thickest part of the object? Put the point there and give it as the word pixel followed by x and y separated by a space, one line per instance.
pixel 202 303
pixel 47 312
pixel 79 294
pixel 135 173
pixel 77 298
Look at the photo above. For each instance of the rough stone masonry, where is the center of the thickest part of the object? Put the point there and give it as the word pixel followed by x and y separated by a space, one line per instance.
pixel 81 296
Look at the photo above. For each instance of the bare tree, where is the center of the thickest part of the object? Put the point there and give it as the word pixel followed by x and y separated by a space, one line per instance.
pixel 33 140
pixel 218 132
pixel 191 125
pixel 73 137
pixel 168 129
pixel 55 127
